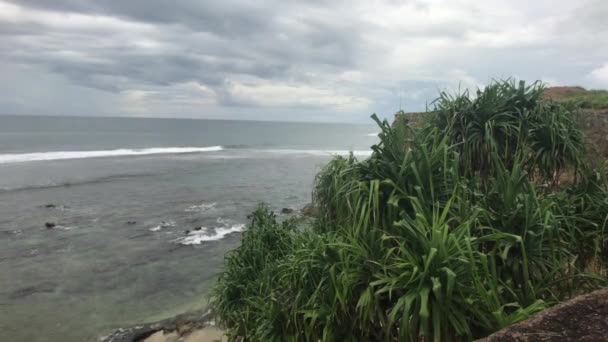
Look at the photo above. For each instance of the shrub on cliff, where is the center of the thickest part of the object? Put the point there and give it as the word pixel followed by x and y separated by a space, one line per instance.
pixel 447 232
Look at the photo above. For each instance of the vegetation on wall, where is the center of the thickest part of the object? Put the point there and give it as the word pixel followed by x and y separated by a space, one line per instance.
pixel 487 213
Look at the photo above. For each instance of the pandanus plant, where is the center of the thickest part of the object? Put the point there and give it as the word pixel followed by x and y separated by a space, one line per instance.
pixel 447 232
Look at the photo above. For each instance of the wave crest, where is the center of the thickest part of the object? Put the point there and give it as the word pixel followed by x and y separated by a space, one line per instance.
pixel 201 207
pixel 61 155
pixel 197 237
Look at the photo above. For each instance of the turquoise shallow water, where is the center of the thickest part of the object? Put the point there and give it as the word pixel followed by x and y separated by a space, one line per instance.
pixel 95 272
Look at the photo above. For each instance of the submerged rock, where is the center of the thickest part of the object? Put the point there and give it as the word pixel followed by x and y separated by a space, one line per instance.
pixel 45 287
pixel 286 211
pixel 197 228
pixel 50 205
pixel 131 222
pixel 50 225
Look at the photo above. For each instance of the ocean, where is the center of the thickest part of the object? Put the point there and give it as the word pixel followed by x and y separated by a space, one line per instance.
pixel 122 194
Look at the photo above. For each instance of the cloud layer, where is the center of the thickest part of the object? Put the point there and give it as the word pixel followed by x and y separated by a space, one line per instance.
pixel 281 60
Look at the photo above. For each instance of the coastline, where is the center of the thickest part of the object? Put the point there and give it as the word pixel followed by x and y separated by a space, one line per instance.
pixel 196 326
pixel 191 326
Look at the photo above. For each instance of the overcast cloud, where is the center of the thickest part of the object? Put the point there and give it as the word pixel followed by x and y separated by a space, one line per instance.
pixel 284 60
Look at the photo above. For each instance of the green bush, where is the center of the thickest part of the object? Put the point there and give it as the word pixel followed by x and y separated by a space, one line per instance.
pixel 446 233
pixel 588 99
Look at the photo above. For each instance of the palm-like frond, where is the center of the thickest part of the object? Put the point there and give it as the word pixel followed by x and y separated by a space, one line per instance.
pixel 446 233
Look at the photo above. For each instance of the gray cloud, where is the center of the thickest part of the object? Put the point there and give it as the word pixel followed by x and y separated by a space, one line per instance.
pixel 315 60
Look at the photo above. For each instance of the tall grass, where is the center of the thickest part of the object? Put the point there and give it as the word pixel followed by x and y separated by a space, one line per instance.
pixel 588 99
pixel 446 233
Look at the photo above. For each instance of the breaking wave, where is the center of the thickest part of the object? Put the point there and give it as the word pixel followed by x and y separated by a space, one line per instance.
pixel 64 155
pixel 162 225
pixel 200 207
pixel 205 234
pixel 61 155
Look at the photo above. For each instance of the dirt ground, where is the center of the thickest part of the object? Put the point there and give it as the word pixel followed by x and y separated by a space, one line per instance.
pixel 207 334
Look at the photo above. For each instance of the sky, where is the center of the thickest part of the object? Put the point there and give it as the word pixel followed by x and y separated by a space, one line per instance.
pixel 327 61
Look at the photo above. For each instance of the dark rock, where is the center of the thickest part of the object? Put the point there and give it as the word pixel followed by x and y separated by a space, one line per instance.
pixel 50 225
pixel 46 287
pixel 198 228
pixel 186 232
pixel 310 210
pixel 50 205
pixel 286 211
pixel 131 222
pixel 583 318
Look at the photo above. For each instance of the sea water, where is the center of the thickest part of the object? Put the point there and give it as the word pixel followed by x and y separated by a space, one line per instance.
pixel 123 193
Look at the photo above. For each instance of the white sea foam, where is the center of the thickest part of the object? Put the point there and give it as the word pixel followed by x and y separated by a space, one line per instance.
pixel 251 153
pixel 162 225
pixel 205 234
pixel 200 207
pixel 64 227
pixel 372 134
pixel 60 155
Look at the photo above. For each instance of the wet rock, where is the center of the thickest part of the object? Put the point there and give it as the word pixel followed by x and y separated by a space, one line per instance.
pixel 50 205
pixel 130 223
pixel 286 211
pixel 50 225
pixel 198 228
pixel 186 232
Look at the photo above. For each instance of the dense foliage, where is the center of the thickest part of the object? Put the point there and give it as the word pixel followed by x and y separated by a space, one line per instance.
pixel 446 233
pixel 588 99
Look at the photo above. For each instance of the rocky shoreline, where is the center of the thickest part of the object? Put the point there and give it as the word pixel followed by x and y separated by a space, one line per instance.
pixel 195 326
